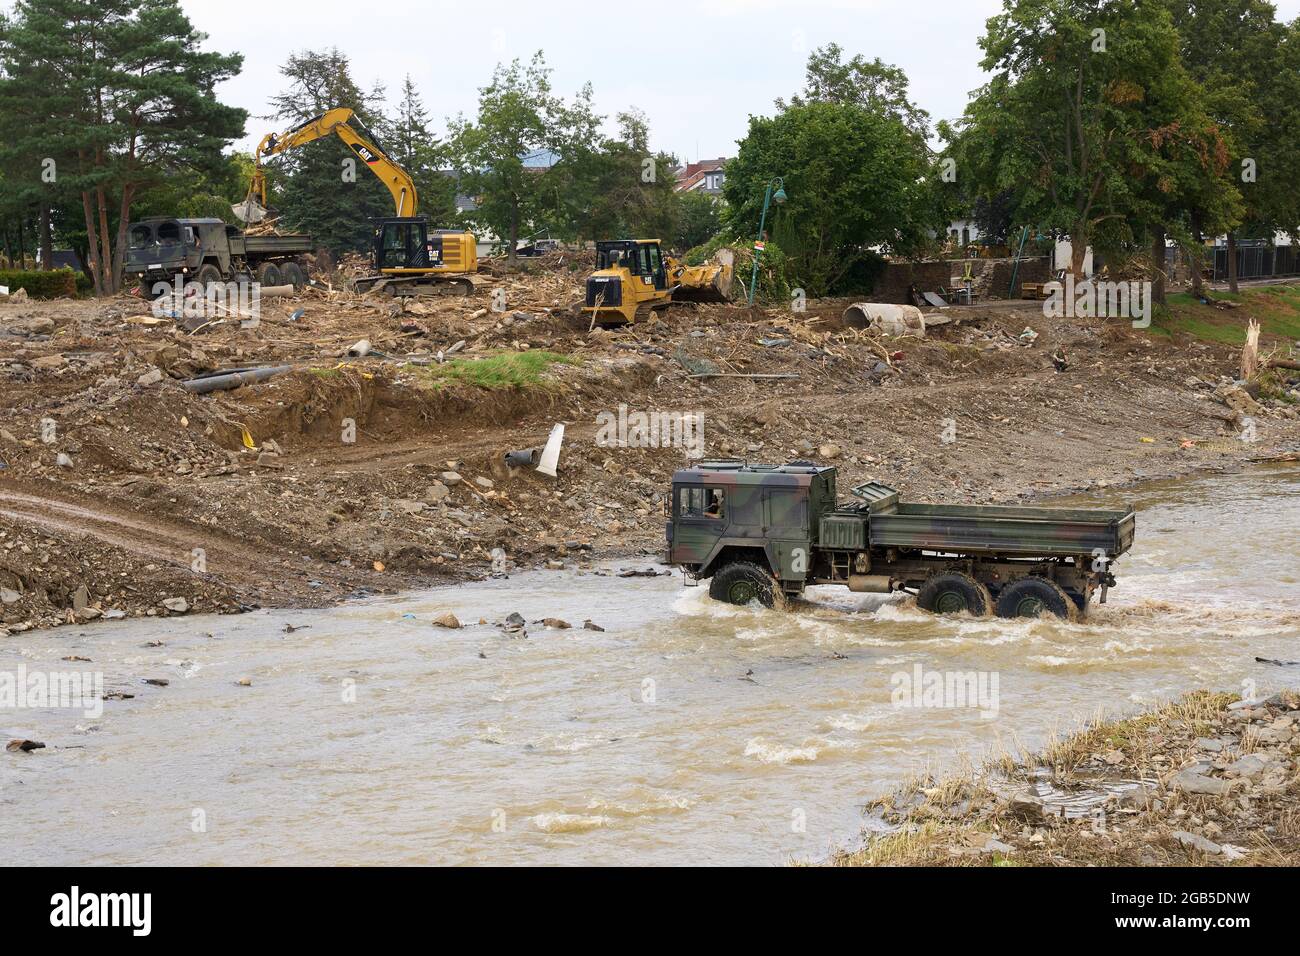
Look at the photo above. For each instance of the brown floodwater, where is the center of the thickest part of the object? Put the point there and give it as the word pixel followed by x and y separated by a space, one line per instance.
pixel 685 732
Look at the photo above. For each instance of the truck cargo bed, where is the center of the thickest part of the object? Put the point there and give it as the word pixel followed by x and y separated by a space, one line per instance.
pixel 277 245
pixel 989 529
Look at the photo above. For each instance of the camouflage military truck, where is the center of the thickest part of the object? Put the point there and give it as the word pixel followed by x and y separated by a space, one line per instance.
pixel 209 250
pixel 758 531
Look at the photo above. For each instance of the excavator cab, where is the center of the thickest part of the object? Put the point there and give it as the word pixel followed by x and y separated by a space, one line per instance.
pixel 405 247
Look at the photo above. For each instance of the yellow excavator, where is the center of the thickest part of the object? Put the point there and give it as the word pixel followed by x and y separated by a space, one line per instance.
pixel 634 277
pixel 407 256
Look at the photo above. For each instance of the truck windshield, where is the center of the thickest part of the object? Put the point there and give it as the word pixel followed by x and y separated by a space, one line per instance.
pixel 141 235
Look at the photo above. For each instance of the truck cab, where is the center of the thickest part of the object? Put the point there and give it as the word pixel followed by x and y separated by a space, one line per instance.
pixel 161 247
pixel 723 512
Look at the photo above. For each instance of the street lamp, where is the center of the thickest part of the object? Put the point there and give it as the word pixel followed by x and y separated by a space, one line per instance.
pixel 768 196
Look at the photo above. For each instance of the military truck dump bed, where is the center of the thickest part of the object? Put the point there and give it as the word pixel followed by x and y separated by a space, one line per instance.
pixel 990 529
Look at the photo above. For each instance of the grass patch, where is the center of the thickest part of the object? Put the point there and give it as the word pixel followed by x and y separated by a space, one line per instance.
pixel 502 370
pixel 1277 308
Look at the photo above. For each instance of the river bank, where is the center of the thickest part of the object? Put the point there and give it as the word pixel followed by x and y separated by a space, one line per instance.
pixel 1210 779
pixel 122 494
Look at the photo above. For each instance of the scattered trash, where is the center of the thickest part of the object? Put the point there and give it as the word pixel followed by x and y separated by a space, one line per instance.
pixel 551 453
pixel 24 746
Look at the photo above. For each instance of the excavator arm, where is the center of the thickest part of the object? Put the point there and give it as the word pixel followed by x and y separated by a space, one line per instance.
pixel 344 124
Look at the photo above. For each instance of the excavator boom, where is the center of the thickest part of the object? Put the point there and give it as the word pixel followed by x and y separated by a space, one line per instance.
pixel 342 123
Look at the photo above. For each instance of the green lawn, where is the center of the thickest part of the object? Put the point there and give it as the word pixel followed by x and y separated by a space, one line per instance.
pixel 1275 307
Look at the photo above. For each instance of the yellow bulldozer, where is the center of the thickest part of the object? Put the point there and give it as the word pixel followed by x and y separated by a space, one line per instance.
pixel 633 277
pixel 407 255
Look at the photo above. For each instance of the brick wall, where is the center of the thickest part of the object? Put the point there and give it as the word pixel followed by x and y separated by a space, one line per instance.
pixel 992 276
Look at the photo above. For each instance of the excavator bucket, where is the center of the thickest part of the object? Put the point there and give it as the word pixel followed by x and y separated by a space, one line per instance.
pixel 711 282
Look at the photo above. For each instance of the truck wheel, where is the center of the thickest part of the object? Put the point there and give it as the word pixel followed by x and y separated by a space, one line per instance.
pixel 207 275
pixel 1030 597
pixel 741 582
pixel 268 273
pixel 292 273
pixel 953 592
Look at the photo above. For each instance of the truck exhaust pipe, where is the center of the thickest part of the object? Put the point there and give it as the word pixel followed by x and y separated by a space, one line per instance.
pixel 871 583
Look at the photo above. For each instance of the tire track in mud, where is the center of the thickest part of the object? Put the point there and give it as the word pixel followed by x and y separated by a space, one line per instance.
pixel 248 566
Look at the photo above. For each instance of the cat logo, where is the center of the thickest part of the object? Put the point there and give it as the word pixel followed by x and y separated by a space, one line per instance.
pixel 365 154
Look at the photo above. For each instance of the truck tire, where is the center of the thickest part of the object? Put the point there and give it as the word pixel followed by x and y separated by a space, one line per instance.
pixel 741 582
pixel 1030 597
pixel 952 593
pixel 292 275
pixel 207 275
pixel 268 273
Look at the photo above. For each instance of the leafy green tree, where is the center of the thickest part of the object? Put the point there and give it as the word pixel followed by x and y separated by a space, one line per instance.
pixel 1075 116
pixel 119 95
pixel 520 121
pixel 855 177
pixel 874 84
pixel 324 191
pixel 700 219
pixel 1248 65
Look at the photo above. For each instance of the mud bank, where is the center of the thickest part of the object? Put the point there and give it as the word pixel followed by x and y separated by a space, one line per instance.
pixel 347 477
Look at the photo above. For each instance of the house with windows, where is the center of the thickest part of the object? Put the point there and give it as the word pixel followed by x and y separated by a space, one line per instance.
pixel 705 176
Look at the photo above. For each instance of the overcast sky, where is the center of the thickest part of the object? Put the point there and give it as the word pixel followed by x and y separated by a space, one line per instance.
pixel 698 70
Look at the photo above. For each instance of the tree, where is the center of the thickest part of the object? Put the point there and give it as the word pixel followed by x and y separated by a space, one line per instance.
pixel 324 192
pixel 700 220
pixel 119 95
pixel 855 177
pixel 423 156
pixel 874 84
pixel 523 146
pixel 1247 64
pixel 1084 96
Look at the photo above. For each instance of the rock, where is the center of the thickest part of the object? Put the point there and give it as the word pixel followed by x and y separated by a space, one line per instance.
pixel 555 565
pixel 1196 842
pixel 1248 767
pixel 80 599
pixel 1027 807
pixel 35 326
pixel 556 623
pixel 450 478
pixel 177 604
pixel 9 596
pixel 829 451
pixel 245 682
pixel 591 626
pixel 24 746
pixel 409 506
pixel 437 492
pixel 63 460
pixel 514 623
pixel 484 483
pixel 1210 744
pixel 88 613
pixel 447 620
pixel 997 846
pixel 151 377
pixel 114 614
pixel 8 437
pixel 17 297
pixel 1189 781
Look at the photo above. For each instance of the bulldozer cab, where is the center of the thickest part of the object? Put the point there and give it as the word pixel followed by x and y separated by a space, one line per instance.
pixel 643 258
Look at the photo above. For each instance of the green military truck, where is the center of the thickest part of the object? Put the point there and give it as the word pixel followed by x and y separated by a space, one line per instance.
pixel 163 250
pixel 760 531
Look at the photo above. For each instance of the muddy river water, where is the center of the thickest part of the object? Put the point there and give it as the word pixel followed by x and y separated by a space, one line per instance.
pixel 685 732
